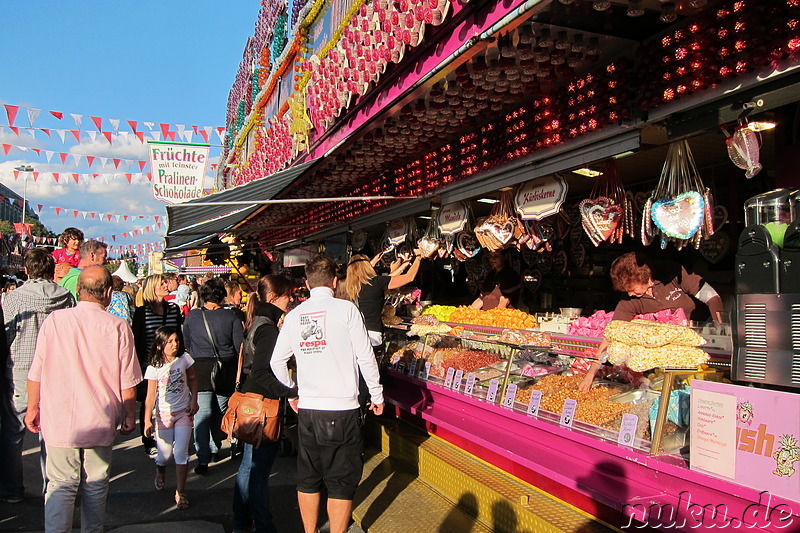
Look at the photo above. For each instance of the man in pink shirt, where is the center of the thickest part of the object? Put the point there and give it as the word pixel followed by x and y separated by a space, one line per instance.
pixel 77 398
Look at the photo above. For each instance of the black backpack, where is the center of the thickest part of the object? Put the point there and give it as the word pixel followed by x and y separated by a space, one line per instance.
pixel 249 347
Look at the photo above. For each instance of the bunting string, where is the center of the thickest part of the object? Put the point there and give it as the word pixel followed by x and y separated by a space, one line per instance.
pixel 164 129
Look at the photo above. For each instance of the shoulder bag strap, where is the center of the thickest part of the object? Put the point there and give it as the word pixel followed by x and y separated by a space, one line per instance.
pixel 239 369
pixel 208 330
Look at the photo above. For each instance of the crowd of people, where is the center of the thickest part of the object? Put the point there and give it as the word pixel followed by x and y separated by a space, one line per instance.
pixel 163 357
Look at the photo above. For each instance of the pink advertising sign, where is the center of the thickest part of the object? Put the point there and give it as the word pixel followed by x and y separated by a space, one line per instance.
pixel 766 438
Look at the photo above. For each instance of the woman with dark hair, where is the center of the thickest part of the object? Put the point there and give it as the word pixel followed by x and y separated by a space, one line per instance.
pixel 265 308
pixel 212 332
pixel 155 313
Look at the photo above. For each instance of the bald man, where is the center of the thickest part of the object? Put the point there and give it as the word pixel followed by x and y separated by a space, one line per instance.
pixel 78 397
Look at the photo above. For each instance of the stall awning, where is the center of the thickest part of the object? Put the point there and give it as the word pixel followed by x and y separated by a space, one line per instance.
pixel 191 226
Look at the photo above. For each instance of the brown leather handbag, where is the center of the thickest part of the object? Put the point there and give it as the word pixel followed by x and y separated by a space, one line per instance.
pixel 250 417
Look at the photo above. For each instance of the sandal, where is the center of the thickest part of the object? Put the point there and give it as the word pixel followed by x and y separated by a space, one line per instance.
pixel 181 500
pixel 160 481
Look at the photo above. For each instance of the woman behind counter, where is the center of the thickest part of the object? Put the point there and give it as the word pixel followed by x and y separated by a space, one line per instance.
pixel 651 287
pixel 502 286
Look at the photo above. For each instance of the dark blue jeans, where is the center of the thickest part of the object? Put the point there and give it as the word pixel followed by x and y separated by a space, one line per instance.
pixel 251 492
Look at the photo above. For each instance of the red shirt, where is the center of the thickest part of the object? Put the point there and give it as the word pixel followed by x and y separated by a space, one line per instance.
pixel 61 256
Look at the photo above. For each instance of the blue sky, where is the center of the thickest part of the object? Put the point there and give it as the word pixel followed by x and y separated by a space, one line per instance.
pixel 169 61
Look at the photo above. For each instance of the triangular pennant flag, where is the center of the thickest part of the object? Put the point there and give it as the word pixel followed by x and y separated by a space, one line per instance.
pixel 125 217
pixel 58 114
pixel 156 218
pixel 76 134
pixel 108 217
pixel 205 133
pixel 6 148
pixel 37 150
pixel 149 176
pixel 114 238
pixel 33 114
pixel 103 161
pixel 117 217
pixel 39 208
pixel 155 135
pixel 98 122
pixel 61 134
pixel 93 215
pixel 164 129
pixel 107 135
pixel 142 164
pixel 140 134
pixel 15 129
pixel 46 132
pixel 125 235
pixel 76 177
pixel 149 125
pixel 35 176
pixel 133 125
pixel 58 210
pixel 90 160
pixel 56 175
pixel 75 213
pixel 221 133
pixel 63 156
pixel 124 135
pixel 116 163
pixel 170 135
pixel 11 112
pixel 84 213
pixel 114 124
pixel 92 135
pixel 76 158
pixel 32 132
pixel 78 119
pixel 48 154
pixel 127 176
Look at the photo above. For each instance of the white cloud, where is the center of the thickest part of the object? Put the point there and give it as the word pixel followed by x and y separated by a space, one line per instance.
pixel 122 147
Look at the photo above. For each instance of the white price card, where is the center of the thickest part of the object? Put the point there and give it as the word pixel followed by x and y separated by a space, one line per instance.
pixel 627 430
pixel 448 379
pixel 511 395
pixel 568 412
pixel 457 380
pixel 426 371
pixel 412 369
pixel 493 386
pixel 471 378
pixel 533 404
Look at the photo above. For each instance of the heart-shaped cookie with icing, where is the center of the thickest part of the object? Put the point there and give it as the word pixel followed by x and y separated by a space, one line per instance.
pixel 679 217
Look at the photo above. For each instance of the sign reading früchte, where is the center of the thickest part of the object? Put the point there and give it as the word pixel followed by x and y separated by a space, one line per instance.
pixel 177 170
pixel 453 218
pixel 541 197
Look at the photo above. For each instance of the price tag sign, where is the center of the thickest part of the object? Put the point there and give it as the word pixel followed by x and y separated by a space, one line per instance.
pixel 471 377
pixel 627 430
pixel 568 412
pixel 457 380
pixel 533 404
pixel 511 395
pixel 412 369
pixel 395 360
pixel 401 367
pixel 491 396
pixel 426 371
pixel 448 379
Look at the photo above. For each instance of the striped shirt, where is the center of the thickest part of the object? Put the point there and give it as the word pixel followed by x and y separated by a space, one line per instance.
pixel 145 324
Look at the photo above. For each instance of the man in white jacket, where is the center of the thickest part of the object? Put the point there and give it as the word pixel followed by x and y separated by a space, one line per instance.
pixel 328 338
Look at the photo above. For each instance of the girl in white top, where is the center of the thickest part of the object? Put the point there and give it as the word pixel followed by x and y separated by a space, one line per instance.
pixel 172 390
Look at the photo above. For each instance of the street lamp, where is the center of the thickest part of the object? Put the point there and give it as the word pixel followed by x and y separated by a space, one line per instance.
pixel 27 169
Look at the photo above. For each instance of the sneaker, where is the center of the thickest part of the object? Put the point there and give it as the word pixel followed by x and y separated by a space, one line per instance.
pixel 201 470
pixel 152 452
pixel 11 499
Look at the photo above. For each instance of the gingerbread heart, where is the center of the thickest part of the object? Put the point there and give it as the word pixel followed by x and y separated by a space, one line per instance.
pixel 502 232
pixel 605 219
pixel 679 217
pixel 715 247
pixel 560 263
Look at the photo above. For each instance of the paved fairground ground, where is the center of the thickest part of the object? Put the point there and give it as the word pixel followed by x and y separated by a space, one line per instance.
pixel 134 505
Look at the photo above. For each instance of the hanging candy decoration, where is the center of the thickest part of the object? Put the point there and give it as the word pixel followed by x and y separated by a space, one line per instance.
pixel 501 228
pixel 607 214
pixel 744 147
pixel 680 208
pixel 431 241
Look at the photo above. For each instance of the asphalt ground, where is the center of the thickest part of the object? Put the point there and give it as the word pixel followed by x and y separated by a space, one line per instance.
pixel 134 505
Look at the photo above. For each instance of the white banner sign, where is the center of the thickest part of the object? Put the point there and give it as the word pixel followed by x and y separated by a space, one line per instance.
pixel 541 197
pixel 177 170
pixel 453 218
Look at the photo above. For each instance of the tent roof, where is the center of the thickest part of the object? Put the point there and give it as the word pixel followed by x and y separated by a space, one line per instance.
pixel 124 273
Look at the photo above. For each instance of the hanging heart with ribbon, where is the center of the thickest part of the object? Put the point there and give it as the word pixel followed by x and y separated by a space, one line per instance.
pixel 600 217
pixel 679 217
